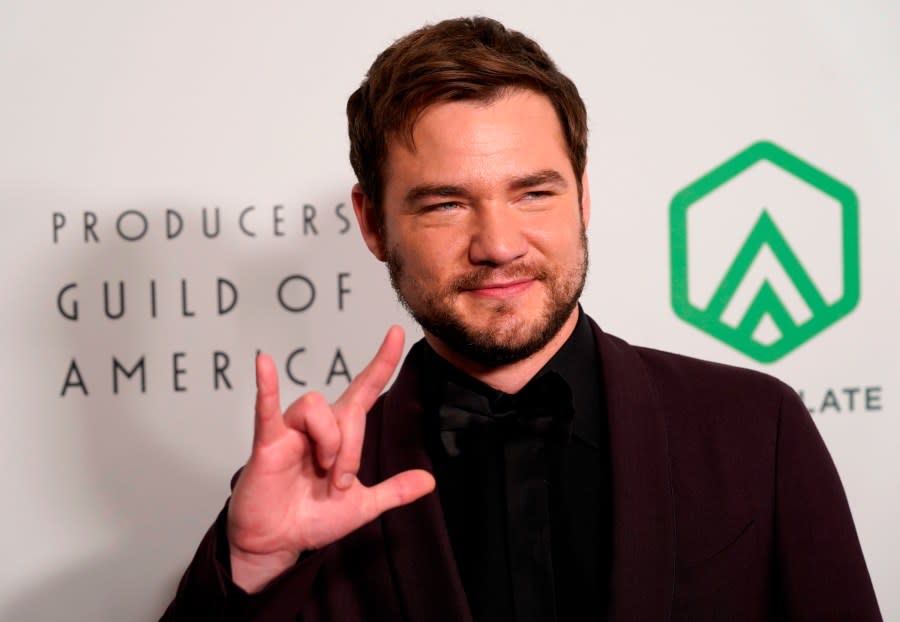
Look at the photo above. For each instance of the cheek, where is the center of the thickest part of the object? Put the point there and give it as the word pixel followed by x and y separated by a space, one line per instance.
pixel 556 243
pixel 425 262
pixel 438 251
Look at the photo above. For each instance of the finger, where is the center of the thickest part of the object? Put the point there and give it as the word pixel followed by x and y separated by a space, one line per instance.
pixel 398 490
pixel 353 429
pixel 353 405
pixel 370 382
pixel 268 425
pixel 312 415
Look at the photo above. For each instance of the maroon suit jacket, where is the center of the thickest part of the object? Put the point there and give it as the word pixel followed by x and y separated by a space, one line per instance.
pixel 725 506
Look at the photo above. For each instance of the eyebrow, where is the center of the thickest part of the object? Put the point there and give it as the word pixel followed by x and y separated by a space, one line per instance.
pixel 547 176
pixel 539 178
pixel 423 191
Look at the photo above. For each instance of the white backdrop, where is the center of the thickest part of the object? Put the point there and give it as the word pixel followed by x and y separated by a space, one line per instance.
pixel 113 113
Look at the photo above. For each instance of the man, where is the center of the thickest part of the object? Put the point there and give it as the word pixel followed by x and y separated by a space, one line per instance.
pixel 524 465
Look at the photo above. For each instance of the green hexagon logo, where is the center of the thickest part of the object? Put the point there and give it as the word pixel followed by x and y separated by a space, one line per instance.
pixel 764 252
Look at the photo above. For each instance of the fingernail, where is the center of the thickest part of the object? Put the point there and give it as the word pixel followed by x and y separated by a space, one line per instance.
pixel 345 481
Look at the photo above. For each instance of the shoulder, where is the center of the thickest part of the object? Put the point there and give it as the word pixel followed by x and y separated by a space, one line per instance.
pixel 711 411
pixel 711 383
pixel 727 424
pixel 686 385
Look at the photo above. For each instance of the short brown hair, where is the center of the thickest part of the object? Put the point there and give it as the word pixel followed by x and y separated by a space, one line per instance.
pixel 471 58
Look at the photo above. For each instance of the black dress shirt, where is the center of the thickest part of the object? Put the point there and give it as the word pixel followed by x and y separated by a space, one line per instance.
pixel 514 564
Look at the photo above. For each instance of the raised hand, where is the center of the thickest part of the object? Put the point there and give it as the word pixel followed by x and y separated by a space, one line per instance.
pixel 298 491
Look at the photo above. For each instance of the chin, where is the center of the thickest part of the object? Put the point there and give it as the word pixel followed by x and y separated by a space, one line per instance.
pixel 507 335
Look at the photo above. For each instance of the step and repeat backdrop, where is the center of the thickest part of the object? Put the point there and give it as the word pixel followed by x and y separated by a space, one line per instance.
pixel 174 197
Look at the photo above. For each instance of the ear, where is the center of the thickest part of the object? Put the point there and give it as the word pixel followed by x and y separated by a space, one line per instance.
pixel 585 198
pixel 369 222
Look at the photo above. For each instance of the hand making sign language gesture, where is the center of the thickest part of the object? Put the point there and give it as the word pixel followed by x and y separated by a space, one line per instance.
pixel 298 491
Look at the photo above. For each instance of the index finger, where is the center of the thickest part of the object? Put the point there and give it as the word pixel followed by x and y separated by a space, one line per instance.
pixel 370 382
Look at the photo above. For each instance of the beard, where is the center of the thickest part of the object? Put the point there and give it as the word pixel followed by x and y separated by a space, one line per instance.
pixel 497 343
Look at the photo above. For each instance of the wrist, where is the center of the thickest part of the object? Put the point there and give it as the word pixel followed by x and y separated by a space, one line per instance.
pixel 253 571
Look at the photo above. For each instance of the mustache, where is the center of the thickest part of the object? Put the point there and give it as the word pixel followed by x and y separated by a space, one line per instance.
pixel 483 275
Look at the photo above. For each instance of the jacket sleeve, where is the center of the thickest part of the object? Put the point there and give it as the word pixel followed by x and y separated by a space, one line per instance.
pixel 821 570
pixel 206 591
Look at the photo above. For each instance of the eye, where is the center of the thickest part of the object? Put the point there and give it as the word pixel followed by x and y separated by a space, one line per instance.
pixel 532 195
pixel 442 207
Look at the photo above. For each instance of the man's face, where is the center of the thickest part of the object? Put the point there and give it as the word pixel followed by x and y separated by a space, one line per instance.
pixel 483 231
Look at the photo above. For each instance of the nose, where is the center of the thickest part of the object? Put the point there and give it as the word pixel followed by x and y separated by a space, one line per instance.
pixel 497 237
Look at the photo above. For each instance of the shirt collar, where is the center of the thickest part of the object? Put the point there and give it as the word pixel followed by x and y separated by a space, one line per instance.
pixel 577 361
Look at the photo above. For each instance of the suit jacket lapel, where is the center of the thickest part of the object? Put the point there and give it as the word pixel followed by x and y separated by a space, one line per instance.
pixel 643 564
pixel 416 535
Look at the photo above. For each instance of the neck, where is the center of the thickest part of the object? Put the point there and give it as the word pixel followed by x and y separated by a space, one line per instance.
pixel 512 377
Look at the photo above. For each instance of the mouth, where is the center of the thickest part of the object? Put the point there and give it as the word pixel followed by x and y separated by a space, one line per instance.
pixel 501 289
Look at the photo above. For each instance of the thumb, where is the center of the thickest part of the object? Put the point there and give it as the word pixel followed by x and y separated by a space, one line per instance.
pixel 398 490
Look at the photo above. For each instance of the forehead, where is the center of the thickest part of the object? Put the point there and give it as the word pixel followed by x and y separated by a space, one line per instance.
pixel 473 142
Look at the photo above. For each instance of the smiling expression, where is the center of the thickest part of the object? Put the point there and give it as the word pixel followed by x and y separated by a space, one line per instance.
pixel 484 229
